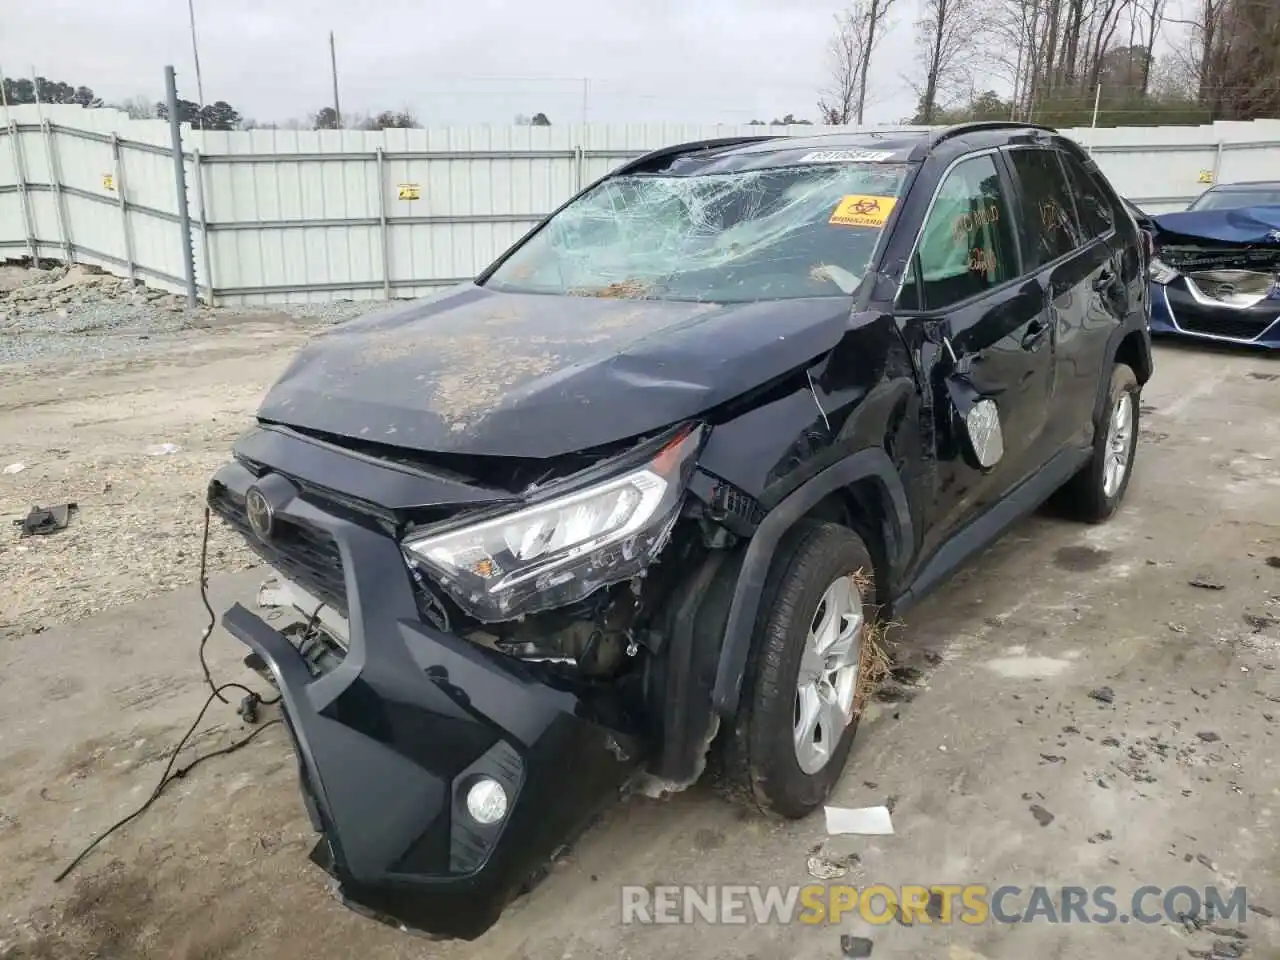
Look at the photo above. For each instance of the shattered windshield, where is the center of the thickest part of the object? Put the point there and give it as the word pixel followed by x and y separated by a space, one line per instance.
pixel 787 232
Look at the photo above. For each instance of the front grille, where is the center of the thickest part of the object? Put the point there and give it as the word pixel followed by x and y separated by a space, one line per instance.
pixel 1237 328
pixel 308 557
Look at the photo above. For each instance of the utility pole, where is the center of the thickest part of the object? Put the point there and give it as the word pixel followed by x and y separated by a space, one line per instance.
pixel 333 64
pixel 195 55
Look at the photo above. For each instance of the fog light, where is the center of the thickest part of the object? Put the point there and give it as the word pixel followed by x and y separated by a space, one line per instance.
pixel 487 801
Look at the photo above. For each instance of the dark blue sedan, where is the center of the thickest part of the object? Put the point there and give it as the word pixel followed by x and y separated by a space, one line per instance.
pixel 1215 269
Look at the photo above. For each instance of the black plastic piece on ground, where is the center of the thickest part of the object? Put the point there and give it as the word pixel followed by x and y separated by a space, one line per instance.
pixel 44 520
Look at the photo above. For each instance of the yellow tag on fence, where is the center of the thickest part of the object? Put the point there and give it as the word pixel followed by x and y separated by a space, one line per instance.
pixel 857 210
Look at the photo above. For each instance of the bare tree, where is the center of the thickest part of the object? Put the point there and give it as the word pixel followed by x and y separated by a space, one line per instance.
pixel 139 107
pixel 858 29
pixel 946 35
pixel 1153 14
pixel 877 11
pixel 848 51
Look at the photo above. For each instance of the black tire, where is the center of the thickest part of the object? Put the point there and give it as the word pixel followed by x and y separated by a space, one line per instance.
pixel 757 762
pixel 1084 496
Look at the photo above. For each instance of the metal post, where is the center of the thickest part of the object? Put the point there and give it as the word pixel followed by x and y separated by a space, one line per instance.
pixel 180 185
pixel 124 206
pixel 382 226
pixel 578 159
pixel 55 177
pixel 19 172
pixel 1217 162
pixel 198 176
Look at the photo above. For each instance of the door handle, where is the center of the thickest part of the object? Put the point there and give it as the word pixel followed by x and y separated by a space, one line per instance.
pixel 1103 281
pixel 1035 333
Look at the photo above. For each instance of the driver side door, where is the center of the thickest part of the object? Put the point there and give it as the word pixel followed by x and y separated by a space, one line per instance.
pixel 984 326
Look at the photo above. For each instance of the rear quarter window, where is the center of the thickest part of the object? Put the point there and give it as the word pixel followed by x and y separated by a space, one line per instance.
pixel 1048 209
pixel 1093 205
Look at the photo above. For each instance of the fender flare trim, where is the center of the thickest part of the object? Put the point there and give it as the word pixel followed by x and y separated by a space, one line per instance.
pixel 871 463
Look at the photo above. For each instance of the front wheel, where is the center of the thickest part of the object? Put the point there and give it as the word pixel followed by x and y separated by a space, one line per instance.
pixel 1094 494
pixel 800 705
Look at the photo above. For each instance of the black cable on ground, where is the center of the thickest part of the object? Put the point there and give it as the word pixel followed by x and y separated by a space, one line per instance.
pixel 170 774
pixel 246 707
pixel 204 598
pixel 248 710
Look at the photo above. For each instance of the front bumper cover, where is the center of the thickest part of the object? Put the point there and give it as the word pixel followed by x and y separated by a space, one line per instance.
pixel 389 741
pixel 1176 310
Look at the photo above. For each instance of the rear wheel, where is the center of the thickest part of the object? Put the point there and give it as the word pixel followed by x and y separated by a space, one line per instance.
pixel 799 709
pixel 1095 493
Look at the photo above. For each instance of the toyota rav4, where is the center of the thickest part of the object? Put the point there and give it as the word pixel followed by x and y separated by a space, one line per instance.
pixel 630 505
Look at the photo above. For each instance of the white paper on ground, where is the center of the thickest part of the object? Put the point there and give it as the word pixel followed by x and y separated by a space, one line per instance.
pixel 872 821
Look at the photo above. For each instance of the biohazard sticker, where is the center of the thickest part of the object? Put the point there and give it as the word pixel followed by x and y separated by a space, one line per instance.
pixel 857 210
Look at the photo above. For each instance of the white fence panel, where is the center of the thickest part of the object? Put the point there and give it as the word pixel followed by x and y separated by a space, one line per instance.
pixel 321 215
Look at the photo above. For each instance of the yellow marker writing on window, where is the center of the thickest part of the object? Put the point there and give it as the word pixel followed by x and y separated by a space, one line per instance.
pixel 858 210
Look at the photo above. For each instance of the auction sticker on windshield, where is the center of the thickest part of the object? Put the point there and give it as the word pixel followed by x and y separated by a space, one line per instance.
pixel 857 210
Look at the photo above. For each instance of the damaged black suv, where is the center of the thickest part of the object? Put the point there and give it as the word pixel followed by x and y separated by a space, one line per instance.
pixel 627 506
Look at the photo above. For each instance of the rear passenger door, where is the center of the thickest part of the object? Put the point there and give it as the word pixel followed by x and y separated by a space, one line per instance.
pixel 1073 266
pixel 965 287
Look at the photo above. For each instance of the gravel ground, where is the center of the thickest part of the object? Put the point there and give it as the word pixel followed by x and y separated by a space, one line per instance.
pixel 1093 705
pixel 82 314
pixel 122 401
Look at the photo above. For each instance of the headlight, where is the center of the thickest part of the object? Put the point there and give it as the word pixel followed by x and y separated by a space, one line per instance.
pixel 556 552
pixel 1160 272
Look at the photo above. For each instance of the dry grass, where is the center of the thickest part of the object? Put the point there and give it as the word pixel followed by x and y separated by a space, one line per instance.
pixel 874 662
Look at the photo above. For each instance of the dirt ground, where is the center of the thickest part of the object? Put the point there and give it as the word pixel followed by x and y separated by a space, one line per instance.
pixel 1174 781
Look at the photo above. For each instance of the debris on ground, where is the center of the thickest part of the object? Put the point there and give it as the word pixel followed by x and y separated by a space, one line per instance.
pixel 1043 816
pixel 855 948
pixel 1273 562
pixel 162 449
pixel 45 520
pixel 13 468
pixel 1208 736
pixel 1260 621
pixel 1103 695
pixel 830 868
pixel 1207 583
pixel 1102 837
pixel 868 821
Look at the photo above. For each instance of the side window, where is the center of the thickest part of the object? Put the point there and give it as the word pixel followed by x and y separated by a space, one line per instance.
pixel 967 246
pixel 1048 211
pixel 1092 204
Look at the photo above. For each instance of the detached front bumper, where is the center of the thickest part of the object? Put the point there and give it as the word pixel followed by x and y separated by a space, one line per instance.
pixel 390 740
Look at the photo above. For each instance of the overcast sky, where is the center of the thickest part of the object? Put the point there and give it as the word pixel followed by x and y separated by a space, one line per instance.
pixel 473 61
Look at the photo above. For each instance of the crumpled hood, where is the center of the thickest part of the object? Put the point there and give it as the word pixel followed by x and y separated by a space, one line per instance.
pixel 1251 225
pixel 476 371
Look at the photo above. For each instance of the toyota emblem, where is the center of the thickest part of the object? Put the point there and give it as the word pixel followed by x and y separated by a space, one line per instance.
pixel 261 516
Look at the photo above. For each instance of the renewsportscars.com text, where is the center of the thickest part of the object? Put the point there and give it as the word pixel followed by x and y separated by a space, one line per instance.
pixel 934 903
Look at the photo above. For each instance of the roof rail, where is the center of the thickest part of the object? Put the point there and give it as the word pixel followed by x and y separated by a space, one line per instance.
pixel 678 149
pixel 975 126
